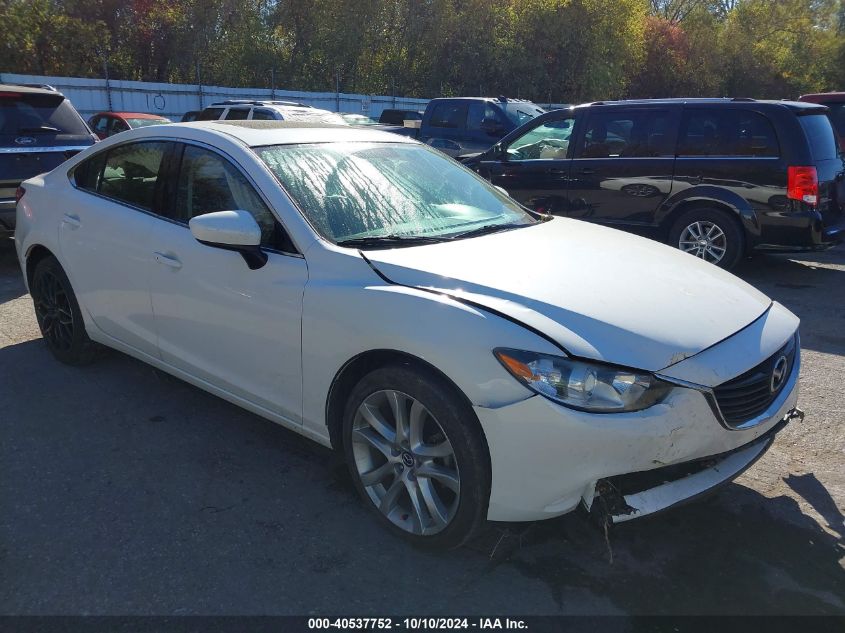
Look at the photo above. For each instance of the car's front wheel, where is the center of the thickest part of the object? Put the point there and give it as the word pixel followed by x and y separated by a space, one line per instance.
pixel 58 314
pixel 417 455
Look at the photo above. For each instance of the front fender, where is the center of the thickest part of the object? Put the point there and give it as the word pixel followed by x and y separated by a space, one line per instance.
pixel 342 320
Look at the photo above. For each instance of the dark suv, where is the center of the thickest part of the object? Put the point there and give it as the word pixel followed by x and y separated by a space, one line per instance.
pixel 463 125
pixel 718 178
pixel 39 129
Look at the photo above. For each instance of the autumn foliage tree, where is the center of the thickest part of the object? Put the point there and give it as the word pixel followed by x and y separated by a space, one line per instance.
pixel 545 50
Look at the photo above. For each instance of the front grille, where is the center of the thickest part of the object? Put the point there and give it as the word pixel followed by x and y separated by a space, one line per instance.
pixel 747 396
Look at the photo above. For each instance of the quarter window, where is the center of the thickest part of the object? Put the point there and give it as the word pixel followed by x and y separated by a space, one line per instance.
pixel 131 172
pixel 727 132
pixel 208 183
pixel 88 173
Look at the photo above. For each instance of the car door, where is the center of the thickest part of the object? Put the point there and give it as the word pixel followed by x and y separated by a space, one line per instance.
pixel 623 165
pixel 533 164
pixel 104 239
pixel 217 320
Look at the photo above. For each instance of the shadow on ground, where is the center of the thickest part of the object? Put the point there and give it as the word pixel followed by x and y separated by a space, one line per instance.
pixel 127 491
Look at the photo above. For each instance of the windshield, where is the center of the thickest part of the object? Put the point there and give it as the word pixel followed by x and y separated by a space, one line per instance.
pixel 520 112
pixel 356 190
pixel 145 122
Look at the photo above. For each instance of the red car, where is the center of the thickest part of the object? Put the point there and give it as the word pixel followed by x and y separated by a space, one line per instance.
pixel 105 124
pixel 836 102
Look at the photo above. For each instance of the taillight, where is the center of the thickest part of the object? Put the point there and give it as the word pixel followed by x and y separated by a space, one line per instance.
pixel 19 194
pixel 803 184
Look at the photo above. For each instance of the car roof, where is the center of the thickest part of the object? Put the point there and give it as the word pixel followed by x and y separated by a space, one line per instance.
pixel 824 97
pixel 131 115
pixel 29 90
pixel 258 133
pixel 795 105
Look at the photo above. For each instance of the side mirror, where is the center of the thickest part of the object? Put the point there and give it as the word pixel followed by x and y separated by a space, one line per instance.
pixel 232 231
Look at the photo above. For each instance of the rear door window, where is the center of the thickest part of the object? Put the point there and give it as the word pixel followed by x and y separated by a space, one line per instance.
pixel 263 115
pixel 820 136
pixel 448 115
pixel 131 172
pixel 727 132
pixel 627 134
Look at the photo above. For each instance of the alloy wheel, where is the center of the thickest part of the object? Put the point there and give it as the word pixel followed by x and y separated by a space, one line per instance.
pixel 53 311
pixel 405 462
pixel 704 239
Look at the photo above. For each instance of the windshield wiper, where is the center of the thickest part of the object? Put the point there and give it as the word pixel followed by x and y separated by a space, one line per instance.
pixel 386 241
pixel 47 129
pixel 484 230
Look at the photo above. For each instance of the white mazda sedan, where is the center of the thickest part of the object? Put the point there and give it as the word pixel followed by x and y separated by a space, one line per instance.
pixel 472 360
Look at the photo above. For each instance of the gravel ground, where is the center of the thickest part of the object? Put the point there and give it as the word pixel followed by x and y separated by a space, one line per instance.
pixel 126 491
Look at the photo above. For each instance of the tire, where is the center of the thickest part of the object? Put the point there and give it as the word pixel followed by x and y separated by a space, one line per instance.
pixel 58 314
pixel 721 232
pixel 442 458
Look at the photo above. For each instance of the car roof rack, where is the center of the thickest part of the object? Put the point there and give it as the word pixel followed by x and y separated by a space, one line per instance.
pixel 256 102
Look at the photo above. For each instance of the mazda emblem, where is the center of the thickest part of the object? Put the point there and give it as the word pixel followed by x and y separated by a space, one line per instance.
pixel 779 373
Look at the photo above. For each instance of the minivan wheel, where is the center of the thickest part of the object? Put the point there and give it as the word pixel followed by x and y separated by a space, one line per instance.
pixel 58 314
pixel 417 456
pixel 709 234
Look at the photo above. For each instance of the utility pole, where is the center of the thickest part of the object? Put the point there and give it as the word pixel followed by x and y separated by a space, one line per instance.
pixel 337 89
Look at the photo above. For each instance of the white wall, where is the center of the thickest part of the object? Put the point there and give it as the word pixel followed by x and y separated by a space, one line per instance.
pixel 90 96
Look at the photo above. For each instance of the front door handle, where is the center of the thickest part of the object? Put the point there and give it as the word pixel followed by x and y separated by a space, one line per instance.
pixel 71 220
pixel 168 260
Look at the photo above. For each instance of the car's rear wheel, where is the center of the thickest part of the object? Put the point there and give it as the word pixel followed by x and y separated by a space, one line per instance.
pixel 417 456
pixel 709 234
pixel 58 314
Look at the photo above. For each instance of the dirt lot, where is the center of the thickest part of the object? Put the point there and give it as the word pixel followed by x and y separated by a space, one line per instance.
pixel 125 491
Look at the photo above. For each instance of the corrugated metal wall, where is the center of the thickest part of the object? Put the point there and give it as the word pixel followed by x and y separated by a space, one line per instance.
pixel 90 96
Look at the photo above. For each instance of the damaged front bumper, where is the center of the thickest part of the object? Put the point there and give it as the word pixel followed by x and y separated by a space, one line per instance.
pixel 636 495
pixel 547 459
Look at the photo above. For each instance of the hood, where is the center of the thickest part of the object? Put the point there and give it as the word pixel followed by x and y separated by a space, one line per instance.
pixel 598 292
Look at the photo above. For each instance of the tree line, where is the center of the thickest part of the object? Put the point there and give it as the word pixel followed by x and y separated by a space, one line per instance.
pixel 561 51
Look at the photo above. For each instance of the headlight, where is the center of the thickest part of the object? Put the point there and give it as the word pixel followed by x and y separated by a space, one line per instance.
pixel 581 385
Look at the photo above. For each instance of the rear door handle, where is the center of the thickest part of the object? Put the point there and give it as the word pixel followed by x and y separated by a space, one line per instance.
pixel 71 220
pixel 168 260
pixel 587 171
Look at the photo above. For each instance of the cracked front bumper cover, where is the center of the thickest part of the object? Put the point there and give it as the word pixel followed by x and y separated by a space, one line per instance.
pixel 636 495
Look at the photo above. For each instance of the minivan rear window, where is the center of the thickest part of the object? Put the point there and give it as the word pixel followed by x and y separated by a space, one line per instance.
pixel 820 136
pixel 36 113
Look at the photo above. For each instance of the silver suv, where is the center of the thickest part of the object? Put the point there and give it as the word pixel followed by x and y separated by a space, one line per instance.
pixel 245 110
